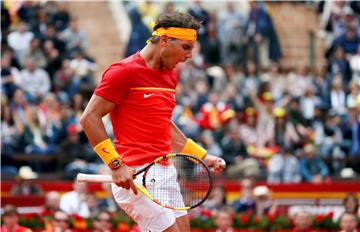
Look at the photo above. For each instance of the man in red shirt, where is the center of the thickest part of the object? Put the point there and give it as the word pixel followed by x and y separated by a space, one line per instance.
pixel 139 94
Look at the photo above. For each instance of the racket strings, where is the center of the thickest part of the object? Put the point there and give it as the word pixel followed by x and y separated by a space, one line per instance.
pixel 183 183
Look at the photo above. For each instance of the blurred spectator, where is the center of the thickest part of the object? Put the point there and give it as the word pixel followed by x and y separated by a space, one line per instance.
pixel 338 95
pixel 34 80
pixel 149 11
pixel 246 202
pixel 35 137
pixel 102 221
pixel 79 157
pixel 83 73
pixel 283 133
pixel 208 141
pixel 217 199
pixel 51 35
pixel 230 26
pixel 224 220
pixel 92 202
pixel 74 202
pixel 36 53
pixel 24 183
pixel 349 41
pixel 355 65
pixel 277 81
pixel 260 37
pixel 339 65
pixel 62 17
pixel 351 204
pixel 201 14
pixel 74 37
pixel 264 204
pixel 302 222
pixel 214 114
pixel 139 33
pixel 60 223
pixel 312 168
pixel 20 40
pixel 10 220
pixel 284 167
pixel 8 85
pixel 239 163
pixel 52 202
pixel 348 223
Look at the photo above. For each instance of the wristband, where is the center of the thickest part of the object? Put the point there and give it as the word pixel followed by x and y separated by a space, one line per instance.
pixel 106 151
pixel 193 148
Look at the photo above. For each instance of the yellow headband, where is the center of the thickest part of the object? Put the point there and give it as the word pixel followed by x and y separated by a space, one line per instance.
pixel 177 33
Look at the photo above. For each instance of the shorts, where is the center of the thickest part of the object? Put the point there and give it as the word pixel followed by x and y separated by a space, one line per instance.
pixel 148 215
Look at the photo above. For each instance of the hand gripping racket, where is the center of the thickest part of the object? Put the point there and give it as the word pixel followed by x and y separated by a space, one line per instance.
pixel 175 181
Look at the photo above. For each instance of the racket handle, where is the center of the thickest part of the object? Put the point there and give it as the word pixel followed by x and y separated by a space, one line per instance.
pixel 94 178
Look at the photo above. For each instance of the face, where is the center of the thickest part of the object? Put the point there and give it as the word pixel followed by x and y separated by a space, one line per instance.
pixel 10 220
pixel 302 220
pixel 174 51
pixel 348 223
pixel 224 220
pixel 61 221
pixel 103 222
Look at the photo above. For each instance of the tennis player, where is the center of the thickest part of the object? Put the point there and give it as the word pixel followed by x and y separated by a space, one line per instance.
pixel 139 94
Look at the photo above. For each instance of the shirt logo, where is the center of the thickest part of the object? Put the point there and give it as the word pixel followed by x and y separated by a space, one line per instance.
pixel 148 95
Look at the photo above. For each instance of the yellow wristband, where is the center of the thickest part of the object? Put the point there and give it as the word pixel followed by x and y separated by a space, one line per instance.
pixel 193 148
pixel 106 151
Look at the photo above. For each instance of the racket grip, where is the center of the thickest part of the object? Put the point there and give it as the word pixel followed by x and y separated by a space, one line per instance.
pixel 94 178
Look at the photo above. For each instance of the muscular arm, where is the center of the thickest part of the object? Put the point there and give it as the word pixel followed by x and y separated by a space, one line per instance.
pixel 178 139
pixel 91 119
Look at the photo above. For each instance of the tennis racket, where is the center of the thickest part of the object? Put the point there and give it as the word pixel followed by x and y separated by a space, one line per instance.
pixel 174 181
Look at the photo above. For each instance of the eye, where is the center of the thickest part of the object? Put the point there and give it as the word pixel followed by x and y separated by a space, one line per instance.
pixel 186 47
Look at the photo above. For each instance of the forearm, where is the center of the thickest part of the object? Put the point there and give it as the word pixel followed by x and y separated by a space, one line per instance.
pixel 178 139
pixel 94 129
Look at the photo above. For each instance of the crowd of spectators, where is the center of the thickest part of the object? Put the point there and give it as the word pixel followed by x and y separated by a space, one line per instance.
pixel 285 124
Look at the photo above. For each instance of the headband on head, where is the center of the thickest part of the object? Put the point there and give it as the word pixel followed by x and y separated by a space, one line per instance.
pixel 177 33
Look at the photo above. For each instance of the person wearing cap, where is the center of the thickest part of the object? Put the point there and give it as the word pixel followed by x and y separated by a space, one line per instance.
pixel 10 220
pixel 263 202
pixel 139 94
pixel 25 185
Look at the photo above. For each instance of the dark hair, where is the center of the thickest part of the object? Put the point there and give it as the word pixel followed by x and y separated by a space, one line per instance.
pixel 175 19
pixel 351 196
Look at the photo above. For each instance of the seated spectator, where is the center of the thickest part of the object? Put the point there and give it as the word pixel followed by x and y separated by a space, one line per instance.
pixel 351 204
pixel 34 80
pixel 312 168
pixel 36 53
pixel 25 185
pixel 302 222
pixel 235 154
pixel 83 71
pixel 282 132
pixel 263 201
pixel 217 199
pixel 103 222
pixel 74 37
pixel 348 223
pixel 74 202
pixel 60 223
pixel 284 167
pixel 20 40
pixel 246 202
pixel 224 220
pixel 52 203
pixel 349 41
pixel 10 220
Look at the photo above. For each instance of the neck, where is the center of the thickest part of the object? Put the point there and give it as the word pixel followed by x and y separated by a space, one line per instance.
pixel 151 56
